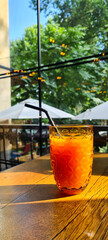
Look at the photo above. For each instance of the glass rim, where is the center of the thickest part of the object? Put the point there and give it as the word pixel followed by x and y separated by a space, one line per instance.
pixel 73 126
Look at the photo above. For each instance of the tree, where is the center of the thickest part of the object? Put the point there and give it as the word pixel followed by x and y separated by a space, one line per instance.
pixel 91 14
pixel 67 88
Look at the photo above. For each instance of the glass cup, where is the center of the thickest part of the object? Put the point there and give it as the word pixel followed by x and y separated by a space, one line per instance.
pixel 71 153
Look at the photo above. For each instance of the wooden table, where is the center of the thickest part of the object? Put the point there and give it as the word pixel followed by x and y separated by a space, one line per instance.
pixel 31 206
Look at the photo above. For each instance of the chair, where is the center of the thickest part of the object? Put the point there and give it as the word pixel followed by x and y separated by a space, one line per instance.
pixel 16 155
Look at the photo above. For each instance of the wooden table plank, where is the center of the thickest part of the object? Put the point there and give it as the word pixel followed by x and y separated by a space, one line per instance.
pixel 42 212
pixel 19 179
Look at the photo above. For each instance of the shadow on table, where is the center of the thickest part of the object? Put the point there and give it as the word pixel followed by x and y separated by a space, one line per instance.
pixel 100 166
pixel 36 166
pixel 32 194
pixel 28 194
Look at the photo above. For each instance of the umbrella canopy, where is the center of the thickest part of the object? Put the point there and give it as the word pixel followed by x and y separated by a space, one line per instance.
pixel 99 112
pixel 19 111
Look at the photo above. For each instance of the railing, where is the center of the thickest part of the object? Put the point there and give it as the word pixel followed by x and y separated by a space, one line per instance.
pixel 15 137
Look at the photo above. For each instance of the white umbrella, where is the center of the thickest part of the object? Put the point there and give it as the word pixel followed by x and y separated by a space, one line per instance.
pixel 99 112
pixel 19 111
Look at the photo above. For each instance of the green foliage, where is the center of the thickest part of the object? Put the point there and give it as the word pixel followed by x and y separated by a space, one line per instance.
pixel 92 14
pixel 103 149
pixel 72 89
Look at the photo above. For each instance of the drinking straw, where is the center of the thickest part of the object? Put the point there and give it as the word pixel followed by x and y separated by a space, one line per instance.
pixel 47 114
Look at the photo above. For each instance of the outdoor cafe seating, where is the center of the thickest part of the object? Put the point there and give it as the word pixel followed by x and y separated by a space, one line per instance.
pixel 18 138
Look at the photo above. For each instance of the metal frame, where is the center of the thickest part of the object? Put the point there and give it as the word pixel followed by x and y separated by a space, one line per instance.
pixel 39 73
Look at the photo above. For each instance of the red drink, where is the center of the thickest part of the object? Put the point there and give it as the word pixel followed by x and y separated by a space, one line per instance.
pixel 71 157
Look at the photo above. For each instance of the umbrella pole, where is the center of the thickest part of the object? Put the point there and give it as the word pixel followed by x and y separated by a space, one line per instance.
pixel 39 74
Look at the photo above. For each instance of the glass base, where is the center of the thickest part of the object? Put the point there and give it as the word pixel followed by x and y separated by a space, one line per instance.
pixel 73 191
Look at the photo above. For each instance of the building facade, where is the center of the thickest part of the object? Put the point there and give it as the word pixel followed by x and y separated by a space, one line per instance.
pixel 5 83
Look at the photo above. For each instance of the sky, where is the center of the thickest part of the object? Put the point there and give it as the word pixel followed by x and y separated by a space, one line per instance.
pixel 21 16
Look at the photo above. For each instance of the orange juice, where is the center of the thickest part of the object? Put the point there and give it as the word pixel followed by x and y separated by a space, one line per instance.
pixel 71 157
